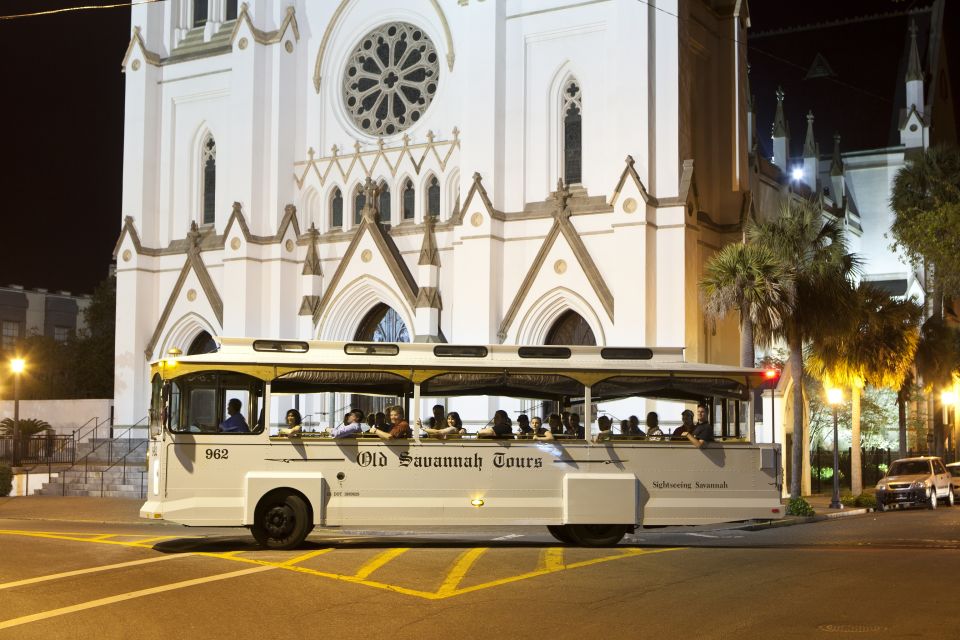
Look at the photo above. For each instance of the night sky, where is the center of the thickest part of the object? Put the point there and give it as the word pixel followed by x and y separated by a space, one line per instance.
pixel 62 149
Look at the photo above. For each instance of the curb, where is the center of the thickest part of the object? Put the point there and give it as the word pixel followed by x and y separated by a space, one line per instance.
pixel 790 521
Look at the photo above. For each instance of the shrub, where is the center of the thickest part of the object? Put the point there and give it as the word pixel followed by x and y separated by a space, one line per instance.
pixel 800 507
pixel 6 479
pixel 867 500
pixel 849 500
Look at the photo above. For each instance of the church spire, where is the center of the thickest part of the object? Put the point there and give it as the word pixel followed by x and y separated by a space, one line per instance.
pixel 809 146
pixel 781 135
pixel 914 70
pixel 810 155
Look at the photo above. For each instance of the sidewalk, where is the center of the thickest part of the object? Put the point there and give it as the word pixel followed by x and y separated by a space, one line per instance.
pixel 72 509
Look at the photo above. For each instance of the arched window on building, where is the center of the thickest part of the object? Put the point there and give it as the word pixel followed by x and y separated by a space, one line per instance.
pixel 571 329
pixel 409 199
pixel 203 343
pixel 383 202
pixel 433 197
pixel 572 133
pixel 358 201
pixel 231 13
pixel 381 324
pixel 336 210
pixel 201 11
pixel 208 189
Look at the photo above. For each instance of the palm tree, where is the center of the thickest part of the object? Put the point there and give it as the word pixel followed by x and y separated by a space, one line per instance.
pixel 814 249
pixel 877 349
pixel 748 278
pixel 938 360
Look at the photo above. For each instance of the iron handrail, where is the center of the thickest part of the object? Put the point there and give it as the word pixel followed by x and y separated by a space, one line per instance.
pixel 86 458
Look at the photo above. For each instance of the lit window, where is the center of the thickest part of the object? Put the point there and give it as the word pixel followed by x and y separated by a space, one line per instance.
pixel 62 334
pixel 209 189
pixel 336 210
pixel 11 333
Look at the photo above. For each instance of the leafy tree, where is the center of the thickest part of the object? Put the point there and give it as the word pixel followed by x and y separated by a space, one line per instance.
pixel 926 200
pixel 877 349
pixel 749 279
pixel 815 252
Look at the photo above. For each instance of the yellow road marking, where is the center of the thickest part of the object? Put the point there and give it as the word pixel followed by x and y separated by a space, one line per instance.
pixel 460 568
pixel 145 541
pixel 126 596
pixel 76 537
pixel 101 536
pixel 378 561
pixel 80 572
pixel 305 556
pixel 551 559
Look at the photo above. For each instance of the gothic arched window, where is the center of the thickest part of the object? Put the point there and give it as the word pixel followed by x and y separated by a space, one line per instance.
pixel 383 324
pixel 572 133
pixel 383 203
pixel 231 13
pixel 336 210
pixel 571 329
pixel 433 197
pixel 200 12
pixel 409 199
pixel 208 189
pixel 358 201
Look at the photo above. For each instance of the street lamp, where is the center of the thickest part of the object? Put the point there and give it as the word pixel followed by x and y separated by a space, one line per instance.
pixel 947 398
pixel 17 365
pixel 835 397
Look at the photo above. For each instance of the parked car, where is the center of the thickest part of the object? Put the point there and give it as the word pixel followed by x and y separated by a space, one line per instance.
pixel 954 469
pixel 915 481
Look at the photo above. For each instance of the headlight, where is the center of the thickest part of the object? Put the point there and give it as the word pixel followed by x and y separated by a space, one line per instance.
pixel 881 486
pixel 920 484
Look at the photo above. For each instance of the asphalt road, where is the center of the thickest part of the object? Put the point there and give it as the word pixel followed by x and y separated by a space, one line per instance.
pixel 890 575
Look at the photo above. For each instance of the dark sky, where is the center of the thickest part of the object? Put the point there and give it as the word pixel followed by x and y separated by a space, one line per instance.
pixel 63 131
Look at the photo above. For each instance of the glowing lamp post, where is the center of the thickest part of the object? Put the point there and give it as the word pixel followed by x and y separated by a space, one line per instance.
pixel 771 376
pixel 835 397
pixel 17 365
pixel 948 398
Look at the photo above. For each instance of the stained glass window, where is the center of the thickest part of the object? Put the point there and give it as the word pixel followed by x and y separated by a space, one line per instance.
pixel 384 203
pixel 209 195
pixel 433 197
pixel 358 201
pixel 336 210
pixel 572 134
pixel 409 198
pixel 200 9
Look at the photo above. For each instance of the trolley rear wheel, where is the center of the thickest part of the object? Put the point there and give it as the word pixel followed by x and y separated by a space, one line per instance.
pixel 561 533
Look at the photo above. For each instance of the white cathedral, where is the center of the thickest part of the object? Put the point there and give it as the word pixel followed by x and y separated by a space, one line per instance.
pixel 469 171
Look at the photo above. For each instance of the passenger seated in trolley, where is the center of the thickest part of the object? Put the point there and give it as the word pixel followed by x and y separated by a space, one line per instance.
pixel 235 423
pixel 538 431
pixel 686 425
pixel 454 428
pixel 398 429
pixel 294 424
pixel 352 429
pixel 653 426
pixel 555 424
pixel 574 428
pixel 502 426
pixel 606 431
pixel 523 424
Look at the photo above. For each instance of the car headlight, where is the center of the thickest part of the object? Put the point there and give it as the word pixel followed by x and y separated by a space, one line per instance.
pixel 881 486
pixel 920 484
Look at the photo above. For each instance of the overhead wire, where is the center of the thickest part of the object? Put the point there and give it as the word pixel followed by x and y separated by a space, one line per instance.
pixel 88 7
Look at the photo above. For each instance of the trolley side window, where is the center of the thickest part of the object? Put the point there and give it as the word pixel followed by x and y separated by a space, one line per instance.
pixel 202 403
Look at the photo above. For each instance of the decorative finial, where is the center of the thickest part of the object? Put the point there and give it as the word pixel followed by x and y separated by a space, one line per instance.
pixel 779 122
pixel 914 70
pixel 809 145
pixel 334 150
pixel 311 153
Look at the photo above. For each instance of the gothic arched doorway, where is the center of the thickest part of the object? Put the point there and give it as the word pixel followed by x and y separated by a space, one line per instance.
pixel 203 343
pixel 571 329
pixel 381 324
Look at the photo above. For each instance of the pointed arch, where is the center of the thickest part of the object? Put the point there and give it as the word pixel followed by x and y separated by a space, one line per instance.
pixel 383 201
pixel 571 118
pixel 335 208
pixel 571 328
pixel 543 314
pixel 431 195
pixel 310 206
pixel 382 324
pixel 357 201
pixel 205 173
pixel 183 332
pixel 344 315
pixel 558 101
pixel 408 198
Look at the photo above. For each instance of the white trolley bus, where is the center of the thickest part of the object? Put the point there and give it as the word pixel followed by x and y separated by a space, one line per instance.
pixel 585 492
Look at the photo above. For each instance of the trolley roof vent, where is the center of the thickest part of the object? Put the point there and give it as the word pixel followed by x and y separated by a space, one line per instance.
pixel 288 346
pixel 626 353
pixel 371 349
pixel 459 351
pixel 544 352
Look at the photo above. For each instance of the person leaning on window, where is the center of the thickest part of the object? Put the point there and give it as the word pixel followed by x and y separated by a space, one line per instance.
pixel 294 424
pixel 235 422
pixel 539 431
pixel 502 426
pixel 454 428
pixel 399 428
pixel 702 432
pixel 686 425
pixel 352 428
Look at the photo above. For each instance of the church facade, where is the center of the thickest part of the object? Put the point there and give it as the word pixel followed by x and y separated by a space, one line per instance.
pixel 469 171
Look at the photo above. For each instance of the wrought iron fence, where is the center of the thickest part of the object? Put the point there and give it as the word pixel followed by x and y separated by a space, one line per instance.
pixel 55 449
pixel 873 464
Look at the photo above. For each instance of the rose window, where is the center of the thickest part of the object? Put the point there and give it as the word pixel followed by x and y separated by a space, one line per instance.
pixel 390 78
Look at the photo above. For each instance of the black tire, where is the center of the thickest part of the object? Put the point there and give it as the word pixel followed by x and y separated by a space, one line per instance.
pixel 597 535
pixel 881 506
pixel 950 498
pixel 932 500
pixel 561 533
pixel 282 521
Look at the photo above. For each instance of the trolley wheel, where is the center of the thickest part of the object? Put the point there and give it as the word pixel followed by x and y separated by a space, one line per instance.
pixel 597 535
pixel 281 521
pixel 561 532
